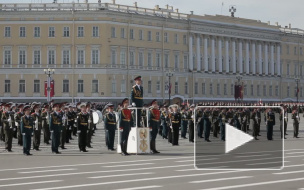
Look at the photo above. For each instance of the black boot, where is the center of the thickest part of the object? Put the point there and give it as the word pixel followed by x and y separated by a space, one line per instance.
pixel 154 147
pixel 122 149
pixel 125 145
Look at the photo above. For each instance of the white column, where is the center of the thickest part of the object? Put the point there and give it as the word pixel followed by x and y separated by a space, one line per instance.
pixel 198 53
pixel 190 52
pixel 240 61
pixel 213 54
pixel 253 65
pixel 233 56
pixel 206 53
pixel 247 58
pixel 220 59
pixel 227 55
pixel 260 58
pixel 279 59
pixel 266 59
pixel 272 59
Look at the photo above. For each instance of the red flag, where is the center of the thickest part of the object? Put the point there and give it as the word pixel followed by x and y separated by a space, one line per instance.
pixel 52 88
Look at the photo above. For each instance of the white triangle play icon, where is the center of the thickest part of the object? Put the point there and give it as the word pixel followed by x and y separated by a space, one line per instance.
pixel 235 138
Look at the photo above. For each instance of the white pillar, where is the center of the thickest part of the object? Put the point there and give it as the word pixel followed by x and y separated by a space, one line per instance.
pixel 247 58
pixel 266 59
pixel 260 58
pixel 220 59
pixel 198 53
pixel 272 59
pixel 213 54
pixel 240 61
pixel 190 52
pixel 206 53
pixel 279 59
pixel 233 57
pixel 253 64
pixel 227 55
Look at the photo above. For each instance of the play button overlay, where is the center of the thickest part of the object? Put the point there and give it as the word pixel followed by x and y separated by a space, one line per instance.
pixel 235 138
pixel 238 138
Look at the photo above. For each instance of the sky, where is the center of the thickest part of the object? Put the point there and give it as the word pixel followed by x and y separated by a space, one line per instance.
pixel 281 11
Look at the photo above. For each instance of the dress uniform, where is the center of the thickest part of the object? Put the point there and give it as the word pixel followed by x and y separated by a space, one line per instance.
pixel 164 122
pixel 90 126
pixel 222 118
pixel 215 122
pixel 110 126
pixel 184 125
pixel 270 121
pixel 283 123
pixel 296 119
pixel 207 124
pixel 7 123
pixel 82 130
pixel 37 127
pixel 137 93
pixel 176 122
pixel 17 118
pixel 125 122
pixel 1 125
pixel 26 126
pixel 254 124
pixel 237 120
pixel 190 118
pixel 154 122
pixel 70 118
pixel 45 124
pixel 55 128
pixel 244 121
pixel 259 117
pixel 63 134
pixel 199 123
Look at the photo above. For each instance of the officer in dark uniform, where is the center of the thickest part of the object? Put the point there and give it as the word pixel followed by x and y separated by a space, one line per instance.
pixel 190 118
pixel 26 126
pixel 184 125
pixel 90 125
pixel 199 123
pixel 7 127
pixel 176 122
pixel 1 126
pixel 137 93
pixel 70 127
pixel 237 120
pixel 207 124
pixel 259 117
pixel 56 127
pixel 222 118
pixel 125 122
pixel 75 114
pixel 164 122
pixel 63 135
pixel 110 126
pixel 18 116
pixel 283 123
pixel 215 122
pixel 296 120
pixel 82 130
pixel 254 124
pixel 37 127
pixel 45 124
pixel 270 121
pixel 154 122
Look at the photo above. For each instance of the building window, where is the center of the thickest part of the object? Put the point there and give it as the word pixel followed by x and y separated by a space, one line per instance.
pixel 80 86
pixel 140 58
pixel 149 86
pixel 211 89
pixel 94 86
pixel 186 87
pixel 51 31
pixel 166 60
pixel 287 69
pixel 176 60
pixel 51 57
pixel 149 36
pixel 225 89
pixel 80 31
pixel 277 90
pixel 141 35
pixel 66 57
pixel 7 57
pixel 7 32
pixel 22 57
pixel 123 86
pixel 95 31
pixel 131 34
pixel 301 92
pixel 36 32
pixel 176 38
pixel 22 32
pixel 185 61
pixel 264 90
pixel 36 86
pixel 218 90
pixel 166 37
pixel 122 57
pixel 158 60
pixel 7 86
pixel 251 90
pixel 95 56
pixel 258 90
pixel 80 57
pixel 157 37
pixel 149 59
pixel 65 86
pixel 287 49
pixel 113 57
pixel 113 86
pixel 270 90
pixel 185 39
pixel 158 87
pixel 203 88
pixel 245 90
pixel 232 89
pixel 295 51
pixel 196 87
pixel 176 87
pixel 301 51
pixel 132 58
pixel 21 86
pixel 36 57
pixel 288 91
pixel 122 33
pixel 66 31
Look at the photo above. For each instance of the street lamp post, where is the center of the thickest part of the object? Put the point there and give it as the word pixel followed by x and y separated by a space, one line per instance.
pixel 169 74
pixel 49 73
pixel 297 79
pixel 239 78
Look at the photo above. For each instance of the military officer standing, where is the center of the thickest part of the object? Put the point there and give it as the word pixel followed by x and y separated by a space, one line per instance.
pixel 70 127
pixel 1 124
pixel 82 130
pixel 37 127
pixel 270 122
pixel 199 123
pixel 207 124
pixel 110 126
pixel 296 119
pixel 154 122
pixel 26 126
pixel 164 122
pixel 125 121
pixel 18 116
pixel 7 127
pixel 259 117
pixel 45 124
pixel 176 122
pixel 254 124
pixel 56 127
pixel 184 125
pixel 137 98
pixel 63 134
pixel 90 125
pixel 222 118
pixel 190 118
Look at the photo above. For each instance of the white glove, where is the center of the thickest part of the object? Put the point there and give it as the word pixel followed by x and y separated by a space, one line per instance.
pixel 23 133
pixel 78 132
pixel 297 117
pixel 192 117
pixel 36 122
pixel 133 104
pixel 52 131
pixel 64 118
pixel 9 120
pixel 14 129
pixel 75 120
pixel 171 127
pixel 32 134
pixel 17 124
pixel 89 121
pixel 0 126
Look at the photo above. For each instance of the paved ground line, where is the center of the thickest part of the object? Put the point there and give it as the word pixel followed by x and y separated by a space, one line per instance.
pixel 295 153
pixel 121 175
pixel 137 188
pixel 266 163
pixel 47 171
pixel 291 172
pixel 252 155
pixel 197 160
pixel 30 183
pixel 127 165
pixel 220 179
